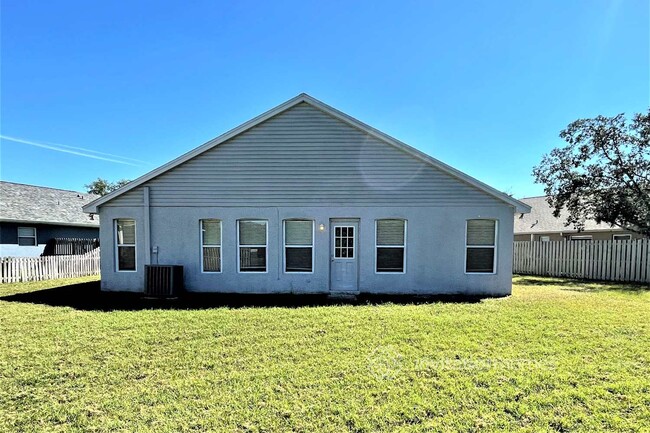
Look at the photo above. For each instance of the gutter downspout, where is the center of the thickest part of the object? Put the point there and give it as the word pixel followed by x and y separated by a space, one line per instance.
pixel 147 227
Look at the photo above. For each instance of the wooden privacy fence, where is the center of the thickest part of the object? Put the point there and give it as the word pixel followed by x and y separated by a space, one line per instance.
pixel 594 260
pixel 20 269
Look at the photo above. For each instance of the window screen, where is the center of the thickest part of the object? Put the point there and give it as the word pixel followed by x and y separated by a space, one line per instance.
pixel 27 236
pixel 211 245
pixel 390 245
pixel 125 244
pixel 481 246
pixel 298 245
pixel 252 246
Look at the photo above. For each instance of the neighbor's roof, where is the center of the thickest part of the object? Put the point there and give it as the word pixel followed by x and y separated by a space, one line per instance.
pixel 541 220
pixel 38 204
pixel 304 98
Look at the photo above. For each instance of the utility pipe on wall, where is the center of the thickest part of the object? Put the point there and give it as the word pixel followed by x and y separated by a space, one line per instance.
pixel 147 227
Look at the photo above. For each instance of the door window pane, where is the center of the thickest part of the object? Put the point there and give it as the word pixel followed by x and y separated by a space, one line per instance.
pixel 344 242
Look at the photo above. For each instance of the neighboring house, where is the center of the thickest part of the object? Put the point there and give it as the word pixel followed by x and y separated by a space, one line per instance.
pixel 31 216
pixel 541 225
pixel 306 199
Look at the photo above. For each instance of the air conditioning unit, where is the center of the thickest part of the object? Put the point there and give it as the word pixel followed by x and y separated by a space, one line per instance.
pixel 163 280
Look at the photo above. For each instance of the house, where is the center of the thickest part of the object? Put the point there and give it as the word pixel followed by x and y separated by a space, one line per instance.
pixel 306 199
pixel 31 216
pixel 541 225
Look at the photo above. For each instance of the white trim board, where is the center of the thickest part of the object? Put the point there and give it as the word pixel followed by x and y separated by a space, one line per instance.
pixel 303 97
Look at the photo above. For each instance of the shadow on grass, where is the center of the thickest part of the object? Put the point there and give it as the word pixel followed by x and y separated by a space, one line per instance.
pixel 580 285
pixel 89 297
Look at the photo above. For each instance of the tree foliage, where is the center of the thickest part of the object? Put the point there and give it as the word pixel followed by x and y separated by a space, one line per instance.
pixel 602 174
pixel 101 186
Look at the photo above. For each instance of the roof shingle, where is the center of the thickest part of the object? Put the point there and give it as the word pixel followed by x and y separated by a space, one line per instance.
pixel 541 219
pixel 38 204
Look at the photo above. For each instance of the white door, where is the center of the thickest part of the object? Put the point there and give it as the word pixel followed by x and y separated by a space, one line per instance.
pixel 344 256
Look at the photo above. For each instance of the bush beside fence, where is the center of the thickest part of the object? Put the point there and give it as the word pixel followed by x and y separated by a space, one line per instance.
pixel 627 261
pixel 21 269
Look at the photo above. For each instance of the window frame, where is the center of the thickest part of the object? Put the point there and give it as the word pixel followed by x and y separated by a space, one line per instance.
pixel 266 247
pixel 495 246
pixel 220 246
pixel 628 237
pixel 285 246
pixel 582 238
pixel 35 236
pixel 391 246
pixel 118 245
pixel 545 238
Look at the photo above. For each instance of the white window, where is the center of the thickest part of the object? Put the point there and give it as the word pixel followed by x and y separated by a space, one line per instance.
pixel 210 245
pixel 480 246
pixel 545 238
pixel 252 235
pixel 298 245
pixel 622 237
pixel 125 245
pixel 581 238
pixel 27 236
pixel 390 245
pixel 344 242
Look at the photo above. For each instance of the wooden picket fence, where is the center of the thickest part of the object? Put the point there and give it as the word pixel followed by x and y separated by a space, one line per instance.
pixel 627 261
pixel 21 269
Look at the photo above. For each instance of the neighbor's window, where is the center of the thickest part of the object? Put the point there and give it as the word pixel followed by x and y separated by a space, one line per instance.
pixel 581 238
pixel 298 245
pixel 622 237
pixel 391 243
pixel 252 246
pixel 27 236
pixel 480 256
pixel 545 238
pixel 211 245
pixel 125 244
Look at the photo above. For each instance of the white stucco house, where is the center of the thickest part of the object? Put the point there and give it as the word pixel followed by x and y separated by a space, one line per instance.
pixel 306 199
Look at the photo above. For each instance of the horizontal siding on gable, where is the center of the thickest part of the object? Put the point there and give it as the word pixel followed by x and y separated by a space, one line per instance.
pixel 305 157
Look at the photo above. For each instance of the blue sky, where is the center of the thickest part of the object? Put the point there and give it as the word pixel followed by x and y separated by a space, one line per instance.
pixel 483 86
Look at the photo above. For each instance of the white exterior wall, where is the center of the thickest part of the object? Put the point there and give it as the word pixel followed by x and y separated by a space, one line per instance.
pixel 435 249
pixel 304 157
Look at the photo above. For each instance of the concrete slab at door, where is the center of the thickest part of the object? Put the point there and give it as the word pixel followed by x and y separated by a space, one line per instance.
pixel 344 255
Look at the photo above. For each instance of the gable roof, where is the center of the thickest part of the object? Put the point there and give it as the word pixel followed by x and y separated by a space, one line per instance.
pixel 39 204
pixel 304 98
pixel 541 220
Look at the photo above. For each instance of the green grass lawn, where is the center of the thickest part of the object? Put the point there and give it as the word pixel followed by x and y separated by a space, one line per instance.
pixel 558 355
